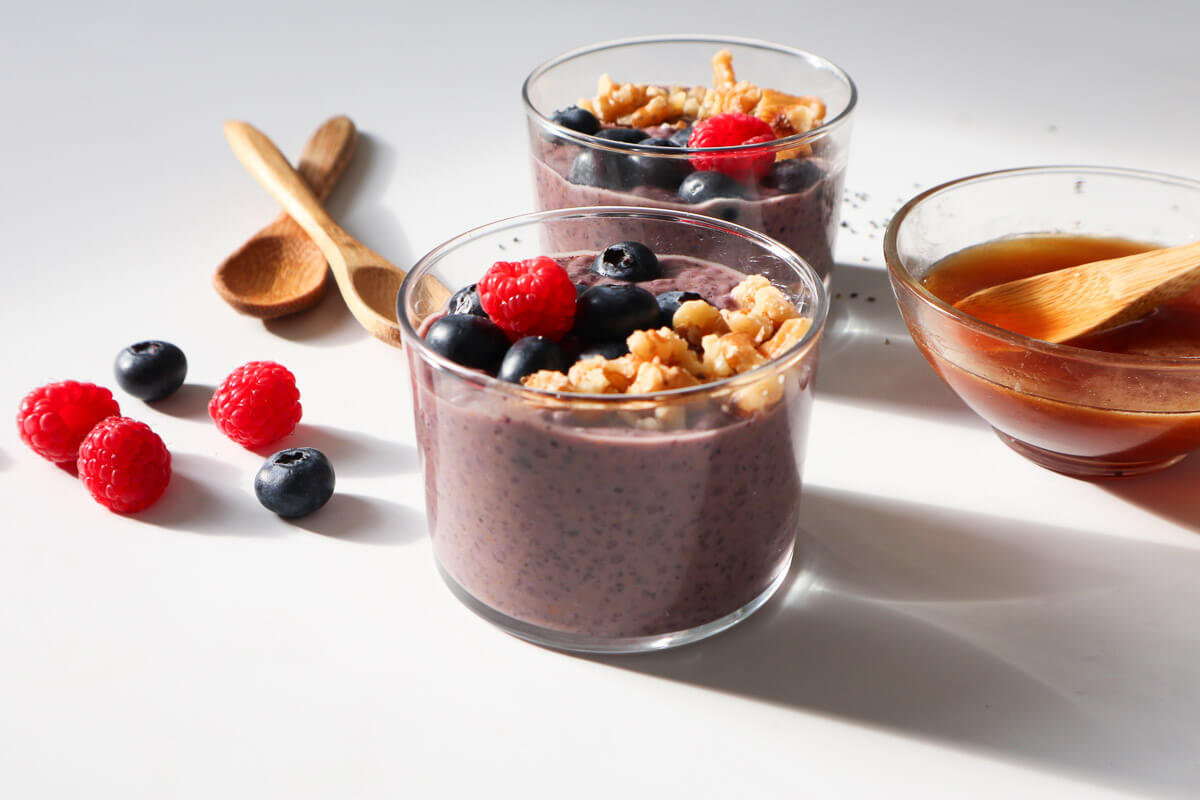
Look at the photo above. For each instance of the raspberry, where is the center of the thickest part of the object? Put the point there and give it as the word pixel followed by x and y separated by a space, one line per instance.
pixel 728 130
pixel 257 404
pixel 534 297
pixel 124 464
pixel 53 419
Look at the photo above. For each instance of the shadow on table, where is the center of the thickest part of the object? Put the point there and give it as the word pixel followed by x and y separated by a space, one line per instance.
pixel 353 453
pixel 1169 494
pixel 365 520
pixel 868 358
pixel 1074 653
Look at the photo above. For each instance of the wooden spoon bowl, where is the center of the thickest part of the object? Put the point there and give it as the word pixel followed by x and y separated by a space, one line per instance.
pixel 280 271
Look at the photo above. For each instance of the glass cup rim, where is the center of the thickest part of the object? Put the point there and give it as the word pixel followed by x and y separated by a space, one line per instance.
pixel 598 143
pixel 818 313
pixel 900 273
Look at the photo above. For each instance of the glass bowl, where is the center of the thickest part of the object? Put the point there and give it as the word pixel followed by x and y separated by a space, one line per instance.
pixel 611 523
pixel 1079 412
pixel 801 211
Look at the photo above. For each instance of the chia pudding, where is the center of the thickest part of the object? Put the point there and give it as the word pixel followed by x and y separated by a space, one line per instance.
pixel 651 144
pixel 585 517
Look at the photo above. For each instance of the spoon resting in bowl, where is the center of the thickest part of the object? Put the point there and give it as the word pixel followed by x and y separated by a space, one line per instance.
pixel 368 283
pixel 280 271
pixel 1063 304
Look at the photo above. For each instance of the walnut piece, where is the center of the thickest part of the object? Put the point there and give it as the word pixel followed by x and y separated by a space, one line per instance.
pixel 695 319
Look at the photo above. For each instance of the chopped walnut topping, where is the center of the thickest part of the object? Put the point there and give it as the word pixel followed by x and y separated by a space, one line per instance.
pixel 641 106
pixel 790 332
pixel 706 344
pixel 729 354
pixel 695 319
pixel 664 346
pixel 547 380
pixel 757 326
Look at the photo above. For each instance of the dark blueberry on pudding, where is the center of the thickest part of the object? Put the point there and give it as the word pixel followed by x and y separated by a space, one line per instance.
pixel 613 311
pixel 627 261
pixel 472 341
pixel 466 301
pixel 577 119
pixel 794 175
pixel 529 355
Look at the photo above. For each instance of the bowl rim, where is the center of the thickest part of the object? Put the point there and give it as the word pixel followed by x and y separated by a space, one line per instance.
pixel 901 276
pixel 818 312
pixel 786 143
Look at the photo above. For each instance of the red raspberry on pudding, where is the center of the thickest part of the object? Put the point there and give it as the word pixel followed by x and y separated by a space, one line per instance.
pixel 534 297
pixel 731 129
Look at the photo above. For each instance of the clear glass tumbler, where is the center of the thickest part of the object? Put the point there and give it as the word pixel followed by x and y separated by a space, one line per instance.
pixel 1079 412
pixel 801 210
pixel 612 523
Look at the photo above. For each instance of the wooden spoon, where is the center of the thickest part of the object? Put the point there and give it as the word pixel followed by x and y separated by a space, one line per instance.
pixel 1060 305
pixel 369 284
pixel 279 270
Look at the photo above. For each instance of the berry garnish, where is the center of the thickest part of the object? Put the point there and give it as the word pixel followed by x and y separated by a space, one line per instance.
pixel 295 482
pixel 465 339
pixel 703 187
pixel 534 297
pixel 608 350
pixel 577 119
pixel 626 135
pixel 669 303
pixel 257 404
pixel 124 464
pixel 53 419
pixel 627 261
pixel 601 169
pixel 658 170
pixel 150 370
pixel 610 312
pixel 729 130
pixel 466 301
pixel 680 138
pixel 529 355
pixel 794 174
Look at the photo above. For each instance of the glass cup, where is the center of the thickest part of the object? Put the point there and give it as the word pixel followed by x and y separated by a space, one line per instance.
pixel 611 523
pixel 1079 412
pixel 798 206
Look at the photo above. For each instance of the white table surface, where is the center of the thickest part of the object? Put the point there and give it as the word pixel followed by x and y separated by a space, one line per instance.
pixel 968 625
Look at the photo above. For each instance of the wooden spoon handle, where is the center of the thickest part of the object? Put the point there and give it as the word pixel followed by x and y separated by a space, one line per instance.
pixel 327 154
pixel 259 155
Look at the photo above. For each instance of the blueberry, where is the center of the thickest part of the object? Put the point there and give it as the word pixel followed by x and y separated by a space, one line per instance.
pixel 680 138
pixel 611 312
pixel 794 174
pixel 466 301
pixel 627 135
pixel 656 170
pixel 295 482
pixel 700 187
pixel 472 341
pixel 577 119
pixel 609 350
pixel 150 370
pixel 529 355
pixel 627 261
pixel 669 303
pixel 601 169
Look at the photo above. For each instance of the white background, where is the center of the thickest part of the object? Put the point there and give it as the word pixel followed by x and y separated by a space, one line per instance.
pixel 969 624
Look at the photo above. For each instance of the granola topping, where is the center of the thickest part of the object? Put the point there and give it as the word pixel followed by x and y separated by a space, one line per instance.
pixel 641 105
pixel 704 344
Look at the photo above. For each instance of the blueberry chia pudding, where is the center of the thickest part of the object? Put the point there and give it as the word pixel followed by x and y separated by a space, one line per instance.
pixel 610 492
pixel 643 145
